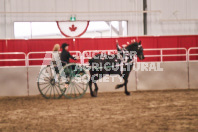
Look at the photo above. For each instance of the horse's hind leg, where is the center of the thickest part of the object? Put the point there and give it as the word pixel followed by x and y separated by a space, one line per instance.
pixel 93 93
pixel 96 86
pixel 90 87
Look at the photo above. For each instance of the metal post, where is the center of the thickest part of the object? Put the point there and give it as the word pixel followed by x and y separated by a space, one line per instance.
pixel 188 69
pixel 27 69
pixel 145 16
pixel 161 55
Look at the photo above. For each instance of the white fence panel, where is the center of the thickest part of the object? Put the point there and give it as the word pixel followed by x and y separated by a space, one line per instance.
pixel 173 76
pixel 193 68
pixel 13 81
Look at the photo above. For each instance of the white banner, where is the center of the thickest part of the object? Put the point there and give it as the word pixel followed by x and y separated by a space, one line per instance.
pixel 73 28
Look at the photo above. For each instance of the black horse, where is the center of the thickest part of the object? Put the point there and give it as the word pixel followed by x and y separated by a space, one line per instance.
pixel 121 64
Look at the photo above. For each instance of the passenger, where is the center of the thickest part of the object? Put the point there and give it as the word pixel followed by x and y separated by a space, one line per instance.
pixel 56 58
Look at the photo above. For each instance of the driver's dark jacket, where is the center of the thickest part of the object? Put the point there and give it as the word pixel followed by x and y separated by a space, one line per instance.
pixel 65 56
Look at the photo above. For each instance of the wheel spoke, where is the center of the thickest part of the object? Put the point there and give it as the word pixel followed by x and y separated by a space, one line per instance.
pixel 51 90
pixel 45 76
pixel 43 83
pixel 48 89
pixel 57 85
pixel 45 87
pixel 71 89
pixel 80 86
pixel 42 80
pixel 77 89
pixel 62 86
pixel 67 89
pixel 74 91
pixel 56 90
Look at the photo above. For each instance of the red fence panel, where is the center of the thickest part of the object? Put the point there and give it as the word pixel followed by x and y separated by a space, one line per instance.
pixel 82 44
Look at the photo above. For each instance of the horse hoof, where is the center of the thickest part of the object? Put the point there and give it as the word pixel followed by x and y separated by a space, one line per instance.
pixel 94 94
pixel 127 93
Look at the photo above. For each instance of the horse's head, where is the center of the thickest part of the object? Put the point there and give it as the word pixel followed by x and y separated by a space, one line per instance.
pixel 137 48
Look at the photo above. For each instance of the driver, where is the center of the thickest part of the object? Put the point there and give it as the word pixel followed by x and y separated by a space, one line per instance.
pixel 65 55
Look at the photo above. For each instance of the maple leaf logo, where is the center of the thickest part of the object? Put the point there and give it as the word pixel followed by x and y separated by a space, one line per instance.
pixel 72 28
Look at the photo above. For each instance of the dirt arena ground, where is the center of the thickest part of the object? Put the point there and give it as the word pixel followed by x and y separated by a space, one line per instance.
pixel 109 112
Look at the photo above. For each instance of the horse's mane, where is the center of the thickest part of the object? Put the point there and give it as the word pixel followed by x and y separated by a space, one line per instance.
pixel 131 46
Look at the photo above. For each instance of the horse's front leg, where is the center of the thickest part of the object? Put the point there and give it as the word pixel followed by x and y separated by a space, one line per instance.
pixel 125 84
pixel 95 90
pixel 125 77
pixel 119 85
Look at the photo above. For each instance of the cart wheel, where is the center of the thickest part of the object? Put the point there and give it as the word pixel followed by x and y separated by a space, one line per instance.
pixel 48 83
pixel 74 79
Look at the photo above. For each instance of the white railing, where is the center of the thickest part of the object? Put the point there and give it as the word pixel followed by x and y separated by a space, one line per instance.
pixel 13 53
pixel 37 59
pixel 78 53
pixel 161 55
pixel 88 54
pixel 189 54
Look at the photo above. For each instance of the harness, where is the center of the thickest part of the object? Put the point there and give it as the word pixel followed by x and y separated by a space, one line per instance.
pixel 125 59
